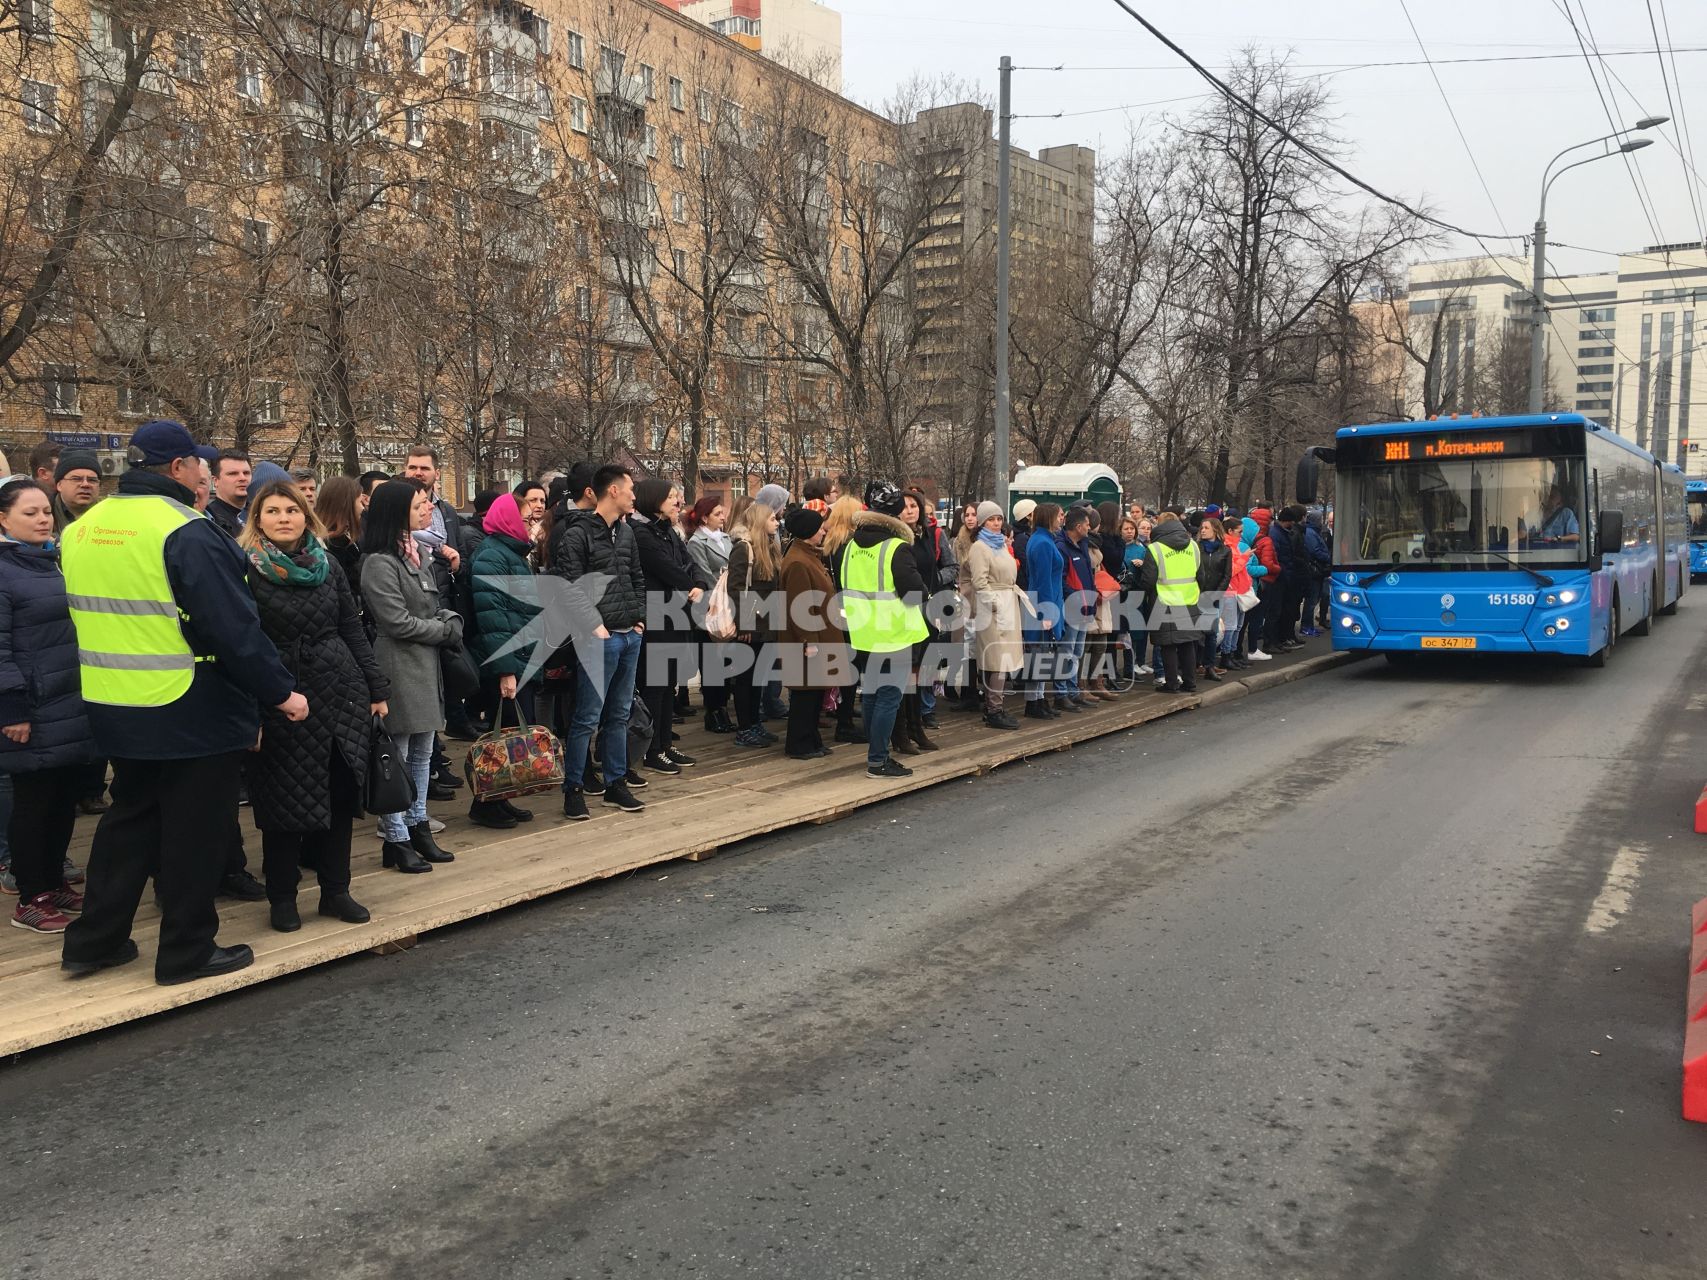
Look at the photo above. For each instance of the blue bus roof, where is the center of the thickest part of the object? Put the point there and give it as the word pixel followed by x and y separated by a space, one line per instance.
pixel 1435 426
pixel 1695 486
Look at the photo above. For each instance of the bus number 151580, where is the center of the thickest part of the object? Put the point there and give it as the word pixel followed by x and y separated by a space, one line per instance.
pixel 1511 597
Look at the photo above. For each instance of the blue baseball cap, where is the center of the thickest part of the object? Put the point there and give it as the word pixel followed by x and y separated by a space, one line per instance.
pixel 161 441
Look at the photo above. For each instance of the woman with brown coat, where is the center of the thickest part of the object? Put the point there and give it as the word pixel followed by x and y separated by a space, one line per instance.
pixel 812 649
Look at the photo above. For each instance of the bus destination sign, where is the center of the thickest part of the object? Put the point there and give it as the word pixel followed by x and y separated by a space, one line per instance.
pixel 1457 445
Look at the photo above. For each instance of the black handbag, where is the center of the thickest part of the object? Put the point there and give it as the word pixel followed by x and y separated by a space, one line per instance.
pixel 457 671
pixel 389 789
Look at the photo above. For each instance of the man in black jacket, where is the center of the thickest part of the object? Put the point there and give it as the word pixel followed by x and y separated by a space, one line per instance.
pixel 175 762
pixel 232 470
pixel 595 552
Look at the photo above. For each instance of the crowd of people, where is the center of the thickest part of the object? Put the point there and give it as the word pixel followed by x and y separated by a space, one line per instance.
pixel 220 631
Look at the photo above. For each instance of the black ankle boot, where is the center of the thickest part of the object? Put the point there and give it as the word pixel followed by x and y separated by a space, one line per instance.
pixel 340 906
pixel 285 916
pixel 421 840
pixel 916 724
pixel 402 856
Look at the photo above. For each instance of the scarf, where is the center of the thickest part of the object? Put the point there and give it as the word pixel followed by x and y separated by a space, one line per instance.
pixel 993 540
pixel 304 567
pixel 410 551
pixel 717 538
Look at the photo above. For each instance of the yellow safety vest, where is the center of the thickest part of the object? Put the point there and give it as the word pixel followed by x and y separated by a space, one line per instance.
pixel 130 641
pixel 1176 573
pixel 879 621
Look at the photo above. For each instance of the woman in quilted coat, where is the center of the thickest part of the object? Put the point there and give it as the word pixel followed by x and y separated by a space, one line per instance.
pixel 46 742
pixel 505 602
pixel 305 780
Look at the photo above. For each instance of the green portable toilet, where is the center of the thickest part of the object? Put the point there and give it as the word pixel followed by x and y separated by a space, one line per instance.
pixel 1065 484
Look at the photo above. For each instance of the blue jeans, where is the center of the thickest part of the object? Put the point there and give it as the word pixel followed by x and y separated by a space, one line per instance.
pixel 605 704
pixel 882 700
pixel 417 750
pixel 1071 656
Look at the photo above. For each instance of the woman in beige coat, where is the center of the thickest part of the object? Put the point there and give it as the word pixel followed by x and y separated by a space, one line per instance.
pixel 997 603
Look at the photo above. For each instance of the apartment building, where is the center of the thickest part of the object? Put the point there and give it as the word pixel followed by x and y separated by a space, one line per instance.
pixel 1620 343
pixel 805 35
pixel 1052 224
pixel 517 143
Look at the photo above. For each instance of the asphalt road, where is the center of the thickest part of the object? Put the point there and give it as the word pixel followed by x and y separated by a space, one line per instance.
pixel 1379 974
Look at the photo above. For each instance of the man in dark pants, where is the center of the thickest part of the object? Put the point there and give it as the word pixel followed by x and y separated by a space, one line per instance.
pixel 174 666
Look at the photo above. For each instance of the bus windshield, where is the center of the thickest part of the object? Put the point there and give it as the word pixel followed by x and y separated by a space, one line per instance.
pixel 1698 516
pixel 1480 512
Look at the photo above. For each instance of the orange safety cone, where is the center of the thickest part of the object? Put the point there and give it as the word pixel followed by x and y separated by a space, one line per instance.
pixel 1695 1026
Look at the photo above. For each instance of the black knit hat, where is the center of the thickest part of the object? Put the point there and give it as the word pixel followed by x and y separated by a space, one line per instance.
pixel 803 522
pixel 76 460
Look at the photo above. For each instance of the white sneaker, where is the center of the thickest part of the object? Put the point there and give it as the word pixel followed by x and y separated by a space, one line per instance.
pixel 1146 671
pixel 1257 655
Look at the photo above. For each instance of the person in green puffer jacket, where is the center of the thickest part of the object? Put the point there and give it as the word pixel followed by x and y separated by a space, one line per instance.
pixel 505 602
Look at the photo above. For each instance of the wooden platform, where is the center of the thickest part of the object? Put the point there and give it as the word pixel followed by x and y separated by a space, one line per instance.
pixel 732 795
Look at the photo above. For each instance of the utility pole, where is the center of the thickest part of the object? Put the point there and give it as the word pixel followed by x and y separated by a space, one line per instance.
pixel 1004 127
pixel 1538 312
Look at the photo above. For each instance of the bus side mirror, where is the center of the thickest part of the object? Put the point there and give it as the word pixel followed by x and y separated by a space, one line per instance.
pixel 1309 478
pixel 1609 533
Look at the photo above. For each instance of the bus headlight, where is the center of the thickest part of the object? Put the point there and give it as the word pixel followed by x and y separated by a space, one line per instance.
pixel 1564 624
pixel 1346 622
pixel 1351 598
pixel 1549 630
pixel 1567 597
pixel 1551 598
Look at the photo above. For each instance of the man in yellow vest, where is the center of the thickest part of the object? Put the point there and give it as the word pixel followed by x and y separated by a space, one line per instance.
pixel 175 668
pixel 882 598
pixel 1169 573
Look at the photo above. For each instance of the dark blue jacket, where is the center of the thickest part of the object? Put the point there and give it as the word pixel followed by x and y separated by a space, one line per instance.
pixel 1316 550
pixel 1081 605
pixel 1289 550
pixel 39 679
pixel 221 711
pixel 1045 570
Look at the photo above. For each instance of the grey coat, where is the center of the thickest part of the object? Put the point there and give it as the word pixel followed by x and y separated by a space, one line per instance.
pixel 410 626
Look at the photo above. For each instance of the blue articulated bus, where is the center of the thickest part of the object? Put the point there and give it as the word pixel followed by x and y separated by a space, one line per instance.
pixel 1696 491
pixel 1544 533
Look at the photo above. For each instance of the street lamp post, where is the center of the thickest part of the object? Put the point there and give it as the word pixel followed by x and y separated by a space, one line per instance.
pixel 1538 288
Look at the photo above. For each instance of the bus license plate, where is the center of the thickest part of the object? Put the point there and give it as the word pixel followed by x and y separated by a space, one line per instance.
pixel 1449 642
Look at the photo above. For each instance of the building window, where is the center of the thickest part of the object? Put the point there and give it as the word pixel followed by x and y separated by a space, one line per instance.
pixel 703 100
pixel 651 142
pixel 677 99
pixel 252 157
pixel 578 114
pixel 414 126
pixel 649 82
pixel 456 69
pixel 583 302
pixel 41 107
pixel 59 390
pixel 257 236
pixel 713 436
pixel 249 78
pixel 35 18
pixel 134 402
pixel 266 400
pixel 577 51
pixel 414 52
pixel 678 152
pixel 189 58
pixel 660 434
pixel 546 111
pixel 611 62
pixel 679 206
pixel 679 264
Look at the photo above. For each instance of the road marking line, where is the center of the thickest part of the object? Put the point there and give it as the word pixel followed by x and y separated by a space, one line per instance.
pixel 1614 898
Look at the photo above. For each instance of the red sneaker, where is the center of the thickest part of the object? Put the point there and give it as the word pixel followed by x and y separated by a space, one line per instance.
pixel 39 915
pixel 66 900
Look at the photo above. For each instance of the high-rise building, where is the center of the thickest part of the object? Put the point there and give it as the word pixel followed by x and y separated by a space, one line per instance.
pixel 805 35
pixel 1052 209
pixel 1620 344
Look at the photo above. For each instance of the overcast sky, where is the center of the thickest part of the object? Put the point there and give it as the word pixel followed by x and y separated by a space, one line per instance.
pixel 1399 135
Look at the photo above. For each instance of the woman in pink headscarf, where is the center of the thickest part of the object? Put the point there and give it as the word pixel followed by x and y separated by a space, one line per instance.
pixel 505 601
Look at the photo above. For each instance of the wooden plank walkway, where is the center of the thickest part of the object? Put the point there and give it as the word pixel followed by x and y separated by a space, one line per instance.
pixel 731 796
